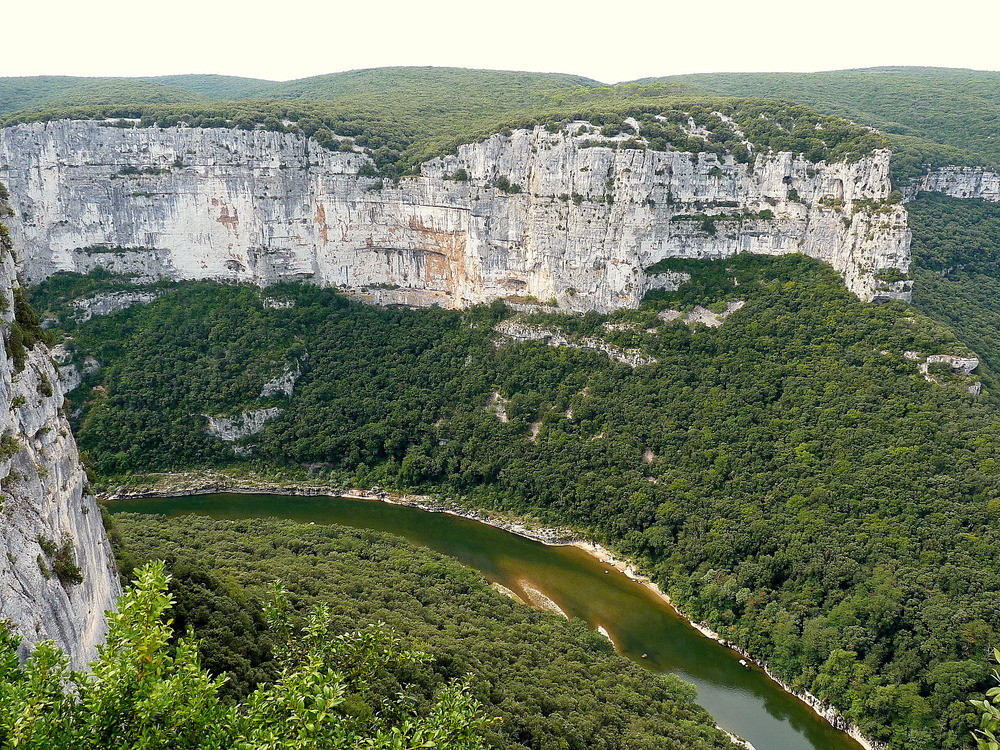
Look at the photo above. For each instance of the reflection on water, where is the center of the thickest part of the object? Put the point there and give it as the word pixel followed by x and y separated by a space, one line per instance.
pixel 743 701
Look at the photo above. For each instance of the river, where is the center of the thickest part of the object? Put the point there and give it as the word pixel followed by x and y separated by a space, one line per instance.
pixel 644 628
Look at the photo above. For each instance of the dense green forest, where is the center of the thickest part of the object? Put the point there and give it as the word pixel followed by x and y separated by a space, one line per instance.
pixel 956 254
pixel 552 682
pixel 433 89
pixel 947 105
pixel 147 690
pixel 61 91
pixel 789 477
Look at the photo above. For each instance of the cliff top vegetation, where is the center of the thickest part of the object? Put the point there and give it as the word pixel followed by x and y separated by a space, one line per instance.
pixel 930 116
pixel 403 116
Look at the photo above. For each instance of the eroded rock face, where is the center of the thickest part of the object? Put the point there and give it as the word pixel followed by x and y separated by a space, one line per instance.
pixel 283 384
pixel 241 425
pixel 963 182
pixel 518 331
pixel 47 522
pixel 961 365
pixel 191 203
pixel 109 302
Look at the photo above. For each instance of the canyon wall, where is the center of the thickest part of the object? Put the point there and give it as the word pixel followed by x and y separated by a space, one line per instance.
pixel 57 576
pixel 963 182
pixel 263 207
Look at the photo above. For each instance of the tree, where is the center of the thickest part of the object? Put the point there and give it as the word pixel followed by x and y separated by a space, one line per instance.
pixel 989 724
pixel 144 693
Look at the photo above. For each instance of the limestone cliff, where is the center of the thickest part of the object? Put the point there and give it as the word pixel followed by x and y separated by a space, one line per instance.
pixel 574 224
pixel 57 575
pixel 963 182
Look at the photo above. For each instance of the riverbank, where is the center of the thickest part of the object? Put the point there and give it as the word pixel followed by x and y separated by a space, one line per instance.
pixel 210 482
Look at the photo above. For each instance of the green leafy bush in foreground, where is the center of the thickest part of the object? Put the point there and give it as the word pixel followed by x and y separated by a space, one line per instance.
pixel 145 693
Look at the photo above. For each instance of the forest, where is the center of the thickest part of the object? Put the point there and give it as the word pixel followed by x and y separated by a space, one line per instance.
pixel 956 252
pixel 551 682
pixel 789 477
pixel 148 690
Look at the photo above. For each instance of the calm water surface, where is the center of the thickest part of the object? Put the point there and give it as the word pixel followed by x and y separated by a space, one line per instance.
pixel 743 701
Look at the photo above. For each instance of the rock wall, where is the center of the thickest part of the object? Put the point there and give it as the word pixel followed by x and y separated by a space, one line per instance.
pixel 264 207
pixel 47 522
pixel 241 425
pixel 963 182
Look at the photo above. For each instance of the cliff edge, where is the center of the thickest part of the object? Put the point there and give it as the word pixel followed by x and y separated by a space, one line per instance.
pixel 554 216
pixel 57 576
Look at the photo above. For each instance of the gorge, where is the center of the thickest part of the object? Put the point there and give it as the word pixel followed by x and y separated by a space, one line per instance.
pixel 614 332
pixel 742 700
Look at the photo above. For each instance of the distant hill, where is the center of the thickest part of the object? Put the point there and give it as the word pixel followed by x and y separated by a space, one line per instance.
pixel 65 91
pixel 955 107
pixel 437 88
pixel 432 89
pixel 214 86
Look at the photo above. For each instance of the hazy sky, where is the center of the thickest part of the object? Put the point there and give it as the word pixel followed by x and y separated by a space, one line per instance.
pixel 608 40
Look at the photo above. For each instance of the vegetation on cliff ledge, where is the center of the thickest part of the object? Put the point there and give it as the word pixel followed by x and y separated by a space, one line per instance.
pixel 955 110
pixel 931 117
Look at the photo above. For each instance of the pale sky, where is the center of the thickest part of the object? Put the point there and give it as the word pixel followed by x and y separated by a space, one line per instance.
pixel 608 40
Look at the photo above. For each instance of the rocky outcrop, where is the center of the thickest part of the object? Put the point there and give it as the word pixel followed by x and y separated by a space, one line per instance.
pixel 517 331
pixel 961 367
pixel 109 302
pixel 702 315
pixel 57 576
pixel 574 224
pixel 69 376
pixel 963 182
pixel 283 384
pixel 242 425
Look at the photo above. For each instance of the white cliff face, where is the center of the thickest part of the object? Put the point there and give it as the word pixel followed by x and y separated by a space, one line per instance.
pixel 518 331
pixel 963 182
pixel 190 203
pixel 242 425
pixel 283 384
pixel 109 302
pixel 43 507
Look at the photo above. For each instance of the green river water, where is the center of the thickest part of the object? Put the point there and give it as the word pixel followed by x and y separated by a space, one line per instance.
pixel 643 627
